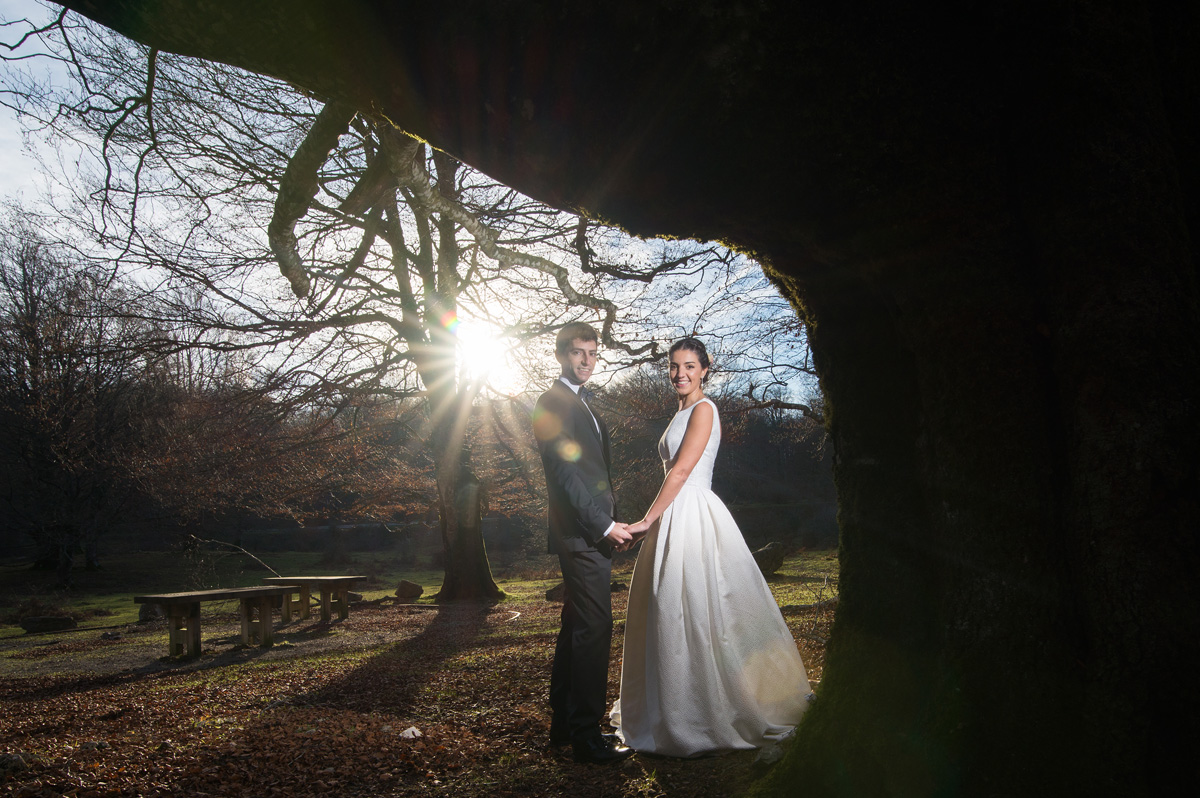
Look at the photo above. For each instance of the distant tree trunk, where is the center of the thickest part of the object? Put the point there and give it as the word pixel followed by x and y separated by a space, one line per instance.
pixel 45 556
pixel 59 553
pixel 91 547
pixel 335 544
pixel 56 547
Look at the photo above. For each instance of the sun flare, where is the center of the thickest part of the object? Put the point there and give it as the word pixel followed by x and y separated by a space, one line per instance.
pixel 483 354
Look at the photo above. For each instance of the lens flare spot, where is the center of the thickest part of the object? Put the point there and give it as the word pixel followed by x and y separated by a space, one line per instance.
pixel 546 425
pixel 449 320
pixel 570 451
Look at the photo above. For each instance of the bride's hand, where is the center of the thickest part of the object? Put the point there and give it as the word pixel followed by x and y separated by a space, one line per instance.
pixel 638 529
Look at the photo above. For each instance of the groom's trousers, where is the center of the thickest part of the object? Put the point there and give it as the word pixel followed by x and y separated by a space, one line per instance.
pixel 579 678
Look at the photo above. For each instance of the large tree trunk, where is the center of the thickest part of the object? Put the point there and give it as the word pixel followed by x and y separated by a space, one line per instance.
pixel 1008 349
pixel 468 572
pixel 460 506
pixel 460 510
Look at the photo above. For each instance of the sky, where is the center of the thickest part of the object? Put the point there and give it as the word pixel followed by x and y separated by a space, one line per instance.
pixel 20 179
pixel 18 169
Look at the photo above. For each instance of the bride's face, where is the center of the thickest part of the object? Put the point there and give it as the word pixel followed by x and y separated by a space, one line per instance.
pixel 687 375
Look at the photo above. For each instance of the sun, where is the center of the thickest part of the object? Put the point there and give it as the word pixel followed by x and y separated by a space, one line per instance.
pixel 484 354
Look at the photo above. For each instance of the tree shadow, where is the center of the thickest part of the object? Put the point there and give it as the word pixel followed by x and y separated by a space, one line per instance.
pixel 391 678
pixel 315 630
pixel 237 653
pixel 35 688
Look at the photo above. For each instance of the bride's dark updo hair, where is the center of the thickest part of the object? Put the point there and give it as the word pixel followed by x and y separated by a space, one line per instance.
pixel 696 346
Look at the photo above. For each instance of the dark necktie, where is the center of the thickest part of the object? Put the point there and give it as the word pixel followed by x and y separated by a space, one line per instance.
pixel 584 396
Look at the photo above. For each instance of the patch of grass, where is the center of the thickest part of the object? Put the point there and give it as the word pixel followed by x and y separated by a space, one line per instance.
pixel 646 786
pixel 95 610
pixel 472 677
pixel 384 584
pixel 805 578
pixel 540 569
pixel 35 606
pixel 105 597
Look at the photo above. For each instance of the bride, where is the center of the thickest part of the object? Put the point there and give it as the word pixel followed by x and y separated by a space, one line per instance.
pixel 709 664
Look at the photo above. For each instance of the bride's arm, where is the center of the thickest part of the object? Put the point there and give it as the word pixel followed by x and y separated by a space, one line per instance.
pixel 695 438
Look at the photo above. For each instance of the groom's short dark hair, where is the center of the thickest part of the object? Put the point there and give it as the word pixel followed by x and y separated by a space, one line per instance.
pixel 575 331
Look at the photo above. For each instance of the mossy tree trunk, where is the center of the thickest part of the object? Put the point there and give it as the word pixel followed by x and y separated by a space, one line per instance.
pixel 1007 348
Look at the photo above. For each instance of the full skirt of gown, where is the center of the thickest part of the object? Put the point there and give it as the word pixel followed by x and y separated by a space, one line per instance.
pixel 709 664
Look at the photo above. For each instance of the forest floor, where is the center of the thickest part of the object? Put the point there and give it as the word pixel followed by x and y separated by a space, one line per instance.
pixel 330 708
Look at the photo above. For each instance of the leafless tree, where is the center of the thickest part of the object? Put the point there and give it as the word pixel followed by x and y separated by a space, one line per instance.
pixel 73 399
pixel 198 177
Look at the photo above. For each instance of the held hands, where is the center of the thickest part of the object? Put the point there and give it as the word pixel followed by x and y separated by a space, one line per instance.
pixel 631 534
pixel 619 537
pixel 639 529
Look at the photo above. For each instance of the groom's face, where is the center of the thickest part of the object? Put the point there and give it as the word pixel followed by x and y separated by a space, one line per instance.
pixel 579 360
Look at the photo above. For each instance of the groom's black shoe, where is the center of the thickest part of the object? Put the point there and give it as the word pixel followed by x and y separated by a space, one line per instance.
pixel 559 736
pixel 599 749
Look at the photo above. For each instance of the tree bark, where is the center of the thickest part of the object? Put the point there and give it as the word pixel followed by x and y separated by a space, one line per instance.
pixel 1005 350
pixel 468 574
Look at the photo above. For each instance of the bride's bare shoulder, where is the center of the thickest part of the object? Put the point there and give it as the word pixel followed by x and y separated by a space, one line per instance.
pixel 702 414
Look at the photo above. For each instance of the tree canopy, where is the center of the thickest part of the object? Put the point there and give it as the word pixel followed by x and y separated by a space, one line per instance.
pixel 404 268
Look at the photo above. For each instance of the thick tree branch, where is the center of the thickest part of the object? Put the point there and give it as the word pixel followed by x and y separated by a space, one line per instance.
pixel 778 404
pixel 402 151
pixel 298 187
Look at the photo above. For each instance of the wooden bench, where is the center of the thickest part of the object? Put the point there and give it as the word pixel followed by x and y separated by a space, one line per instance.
pixel 333 589
pixel 183 614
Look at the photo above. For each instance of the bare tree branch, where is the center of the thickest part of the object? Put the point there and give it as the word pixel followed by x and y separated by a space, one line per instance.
pixel 298 187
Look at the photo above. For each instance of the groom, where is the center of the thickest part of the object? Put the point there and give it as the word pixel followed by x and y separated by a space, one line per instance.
pixel 583 533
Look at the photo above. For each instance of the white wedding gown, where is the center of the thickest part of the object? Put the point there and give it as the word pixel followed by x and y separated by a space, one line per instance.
pixel 709 664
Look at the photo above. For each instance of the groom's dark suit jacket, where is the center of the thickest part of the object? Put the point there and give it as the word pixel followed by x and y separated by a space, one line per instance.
pixel 578 481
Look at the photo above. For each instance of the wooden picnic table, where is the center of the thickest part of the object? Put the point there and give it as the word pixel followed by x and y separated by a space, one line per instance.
pixel 183 614
pixel 334 594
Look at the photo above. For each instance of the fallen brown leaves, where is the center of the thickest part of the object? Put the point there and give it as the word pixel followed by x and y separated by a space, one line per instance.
pixel 327 713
